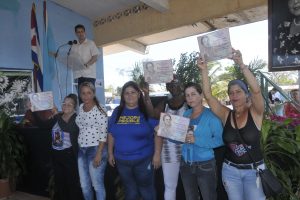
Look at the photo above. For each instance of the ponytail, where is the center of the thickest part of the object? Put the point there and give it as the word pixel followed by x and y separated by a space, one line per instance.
pixel 99 107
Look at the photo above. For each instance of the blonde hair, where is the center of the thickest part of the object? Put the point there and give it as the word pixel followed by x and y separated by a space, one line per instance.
pixel 93 89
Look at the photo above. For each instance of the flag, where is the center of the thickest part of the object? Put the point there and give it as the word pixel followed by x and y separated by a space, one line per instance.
pixel 36 53
pixel 45 17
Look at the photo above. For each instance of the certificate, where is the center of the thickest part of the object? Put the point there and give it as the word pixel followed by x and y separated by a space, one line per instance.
pixel 173 127
pixel 215 46
pixel 41 101
pixel 160 71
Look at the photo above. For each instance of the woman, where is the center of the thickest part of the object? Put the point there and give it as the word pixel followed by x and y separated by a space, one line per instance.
pixel 92 156
pixel 198 166
pixel 291 109
pixel 239 176
pixel 171 150
pixel 64 149
pixel 131 144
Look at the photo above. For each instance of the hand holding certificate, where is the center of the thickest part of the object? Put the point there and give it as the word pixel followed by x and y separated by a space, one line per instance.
pixel 173 127
pixel 158 71
pixel 215 46
pixel 41 101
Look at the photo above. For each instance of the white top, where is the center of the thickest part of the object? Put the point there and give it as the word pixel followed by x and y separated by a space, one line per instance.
pixel 92 127
pixel 86 50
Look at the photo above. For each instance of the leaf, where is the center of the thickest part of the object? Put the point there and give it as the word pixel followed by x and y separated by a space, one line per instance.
pixel 287 146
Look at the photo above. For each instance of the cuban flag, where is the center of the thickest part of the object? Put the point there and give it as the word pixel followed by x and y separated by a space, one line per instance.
pixel 36 53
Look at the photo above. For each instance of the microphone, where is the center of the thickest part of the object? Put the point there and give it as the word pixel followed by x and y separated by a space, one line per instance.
pixel 68 43
pixel 71 43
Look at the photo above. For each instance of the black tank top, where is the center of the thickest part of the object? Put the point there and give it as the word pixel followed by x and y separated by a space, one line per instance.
pixel 235 151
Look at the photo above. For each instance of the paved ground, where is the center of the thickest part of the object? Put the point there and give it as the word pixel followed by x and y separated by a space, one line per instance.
pixel 24 196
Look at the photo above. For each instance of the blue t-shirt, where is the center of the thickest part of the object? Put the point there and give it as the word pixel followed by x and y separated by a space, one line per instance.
pixel 133 134
pixel 208 135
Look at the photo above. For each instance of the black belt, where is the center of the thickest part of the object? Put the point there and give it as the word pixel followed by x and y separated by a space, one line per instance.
pixel 244 166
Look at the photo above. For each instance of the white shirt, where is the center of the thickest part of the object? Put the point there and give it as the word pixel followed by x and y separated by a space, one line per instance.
pixel 92 126
pixel 85 51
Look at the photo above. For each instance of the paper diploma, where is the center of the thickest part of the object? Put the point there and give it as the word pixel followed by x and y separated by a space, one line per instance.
pixel 41 101
pixel 173 127
pixel 160 71
pixel 215 46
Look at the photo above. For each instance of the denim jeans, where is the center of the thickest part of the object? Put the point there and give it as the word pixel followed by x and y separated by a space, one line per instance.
pixel 138 178
pixel 199 174
pixel 89 175
pixel 242 184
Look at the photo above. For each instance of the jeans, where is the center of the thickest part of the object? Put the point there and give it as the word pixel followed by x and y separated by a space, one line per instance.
pixel 138 178
pixel 199 174
pixel 171 172
pixel 242 184
pixel 89 175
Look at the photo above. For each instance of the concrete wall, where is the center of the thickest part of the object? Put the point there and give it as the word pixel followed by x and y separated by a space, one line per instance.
pixel 181 13
pixel 15 48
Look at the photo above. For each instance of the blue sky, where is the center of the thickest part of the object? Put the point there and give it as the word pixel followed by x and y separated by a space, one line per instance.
pixel 251 39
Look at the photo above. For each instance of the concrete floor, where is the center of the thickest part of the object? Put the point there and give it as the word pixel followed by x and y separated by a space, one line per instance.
pixel 24 196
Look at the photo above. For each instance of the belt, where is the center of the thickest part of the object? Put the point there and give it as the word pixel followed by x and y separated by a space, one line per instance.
pixel 244 166
pixel 197 162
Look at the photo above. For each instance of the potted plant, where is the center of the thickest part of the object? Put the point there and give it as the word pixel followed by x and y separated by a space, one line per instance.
pixel 12 151
pixel 280 143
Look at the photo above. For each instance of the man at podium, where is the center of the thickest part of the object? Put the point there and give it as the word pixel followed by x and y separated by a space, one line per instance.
pixel 88 54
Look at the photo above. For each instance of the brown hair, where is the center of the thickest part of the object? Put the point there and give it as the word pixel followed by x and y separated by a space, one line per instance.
pixel 74 99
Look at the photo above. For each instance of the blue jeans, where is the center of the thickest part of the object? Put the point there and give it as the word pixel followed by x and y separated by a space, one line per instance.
pixel 138 178
pixel 89 175
pixel 241 184
pixel 199 174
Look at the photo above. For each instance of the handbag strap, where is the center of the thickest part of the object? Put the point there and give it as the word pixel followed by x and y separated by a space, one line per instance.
pixel 242 140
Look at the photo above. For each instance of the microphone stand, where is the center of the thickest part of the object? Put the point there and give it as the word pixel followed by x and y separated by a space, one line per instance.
pixel 57 74
pixel 56 53
pixel 68 54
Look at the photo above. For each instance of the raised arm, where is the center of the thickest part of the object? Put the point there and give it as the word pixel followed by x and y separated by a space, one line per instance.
pixel 144 86
pixel 257 101
pixel 219 109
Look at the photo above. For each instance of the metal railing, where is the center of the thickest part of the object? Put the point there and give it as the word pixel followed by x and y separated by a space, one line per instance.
pixel 264 83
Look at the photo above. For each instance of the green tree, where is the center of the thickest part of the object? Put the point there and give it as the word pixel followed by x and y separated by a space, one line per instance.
pixel 137 72
pixel 284 78
pixel 233 71
pixel 188 71
pixel 110 88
